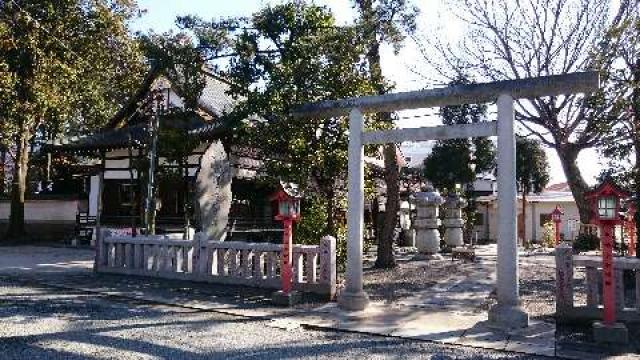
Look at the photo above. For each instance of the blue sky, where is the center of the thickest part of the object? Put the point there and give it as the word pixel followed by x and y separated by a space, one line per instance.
pixel 435 16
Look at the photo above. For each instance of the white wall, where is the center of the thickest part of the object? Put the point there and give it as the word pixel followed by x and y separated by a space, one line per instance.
pixel 124 163
pixel 533 228
pixel 45 211
pixel 533 218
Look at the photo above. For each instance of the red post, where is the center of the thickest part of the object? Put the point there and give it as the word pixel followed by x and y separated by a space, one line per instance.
pixel 608 281
pixel 287 253
pixel 557 222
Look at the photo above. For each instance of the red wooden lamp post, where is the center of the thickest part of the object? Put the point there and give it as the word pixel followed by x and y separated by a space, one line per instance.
pixel 556 216
pixel 288 212
pixel 606 202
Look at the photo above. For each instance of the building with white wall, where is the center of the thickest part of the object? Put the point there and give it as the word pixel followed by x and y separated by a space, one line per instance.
pixel 537 212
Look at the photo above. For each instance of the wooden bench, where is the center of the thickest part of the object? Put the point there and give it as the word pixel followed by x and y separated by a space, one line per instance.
pixel 463 253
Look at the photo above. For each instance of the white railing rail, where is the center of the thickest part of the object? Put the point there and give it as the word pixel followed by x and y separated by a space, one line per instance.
pixel 627 305
pixel 227 262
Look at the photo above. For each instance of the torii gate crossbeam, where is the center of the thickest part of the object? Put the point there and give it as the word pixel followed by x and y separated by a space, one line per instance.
pixel 507 312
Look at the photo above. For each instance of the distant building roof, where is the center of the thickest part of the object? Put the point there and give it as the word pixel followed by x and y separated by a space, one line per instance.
pixel 559 187
pixel 128 126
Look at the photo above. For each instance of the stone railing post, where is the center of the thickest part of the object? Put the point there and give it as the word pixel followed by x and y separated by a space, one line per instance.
pixel 328 271
pixel 101 254
pixel 453 221
pixel 195 251
pixel 564 279
pixel 427 222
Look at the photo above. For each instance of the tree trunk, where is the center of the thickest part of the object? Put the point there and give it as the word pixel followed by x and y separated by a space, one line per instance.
pixel 385 258
pixel 568 155
pixel 635 108
pixel 369 17
pixel 524 218
pixel 16 231
pixel 331 224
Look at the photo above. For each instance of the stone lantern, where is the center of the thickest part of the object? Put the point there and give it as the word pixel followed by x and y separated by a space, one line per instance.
pixel 453 221
pixel 427 222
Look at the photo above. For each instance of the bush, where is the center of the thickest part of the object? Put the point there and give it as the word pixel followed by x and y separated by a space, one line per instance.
pixel 586 242
pixel 313 222
pixel 313 226
pixel 549 235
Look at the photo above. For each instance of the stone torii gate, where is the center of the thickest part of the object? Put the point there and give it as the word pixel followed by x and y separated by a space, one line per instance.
pixel 507 312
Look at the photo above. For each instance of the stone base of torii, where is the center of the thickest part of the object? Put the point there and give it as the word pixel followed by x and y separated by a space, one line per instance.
pixel 507 313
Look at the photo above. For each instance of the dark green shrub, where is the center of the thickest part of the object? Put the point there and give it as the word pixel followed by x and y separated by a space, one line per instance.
pixel 586 242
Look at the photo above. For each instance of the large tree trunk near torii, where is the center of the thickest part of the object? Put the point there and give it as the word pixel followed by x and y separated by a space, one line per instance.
pixel 385 258
pixel 568 155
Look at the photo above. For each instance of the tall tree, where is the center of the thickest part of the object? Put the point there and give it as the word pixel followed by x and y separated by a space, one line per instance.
pixel 513 40
pixel 532 170
pixel 385 22
pixel 66 66
pixel 621 78
pixel 280 57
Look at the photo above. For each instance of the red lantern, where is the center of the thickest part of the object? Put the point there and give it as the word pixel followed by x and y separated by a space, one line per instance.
pixel 288 212
pixel 556 216
pixel 605 202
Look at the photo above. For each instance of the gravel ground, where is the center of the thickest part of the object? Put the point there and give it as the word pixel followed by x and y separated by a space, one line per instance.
pixel 537 281
pixel 45 323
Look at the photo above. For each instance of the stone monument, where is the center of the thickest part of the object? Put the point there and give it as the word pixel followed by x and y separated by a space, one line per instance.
pixel 213 192
pixel 408 234
pixel 453 222
pixel 427 222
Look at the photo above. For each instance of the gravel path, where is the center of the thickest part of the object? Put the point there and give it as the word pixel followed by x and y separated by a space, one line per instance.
pixel 45 323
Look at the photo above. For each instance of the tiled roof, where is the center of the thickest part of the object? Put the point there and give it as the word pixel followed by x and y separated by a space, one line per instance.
pixel 136 135
pixel 214 97
pixel 207 123
pixel 563 187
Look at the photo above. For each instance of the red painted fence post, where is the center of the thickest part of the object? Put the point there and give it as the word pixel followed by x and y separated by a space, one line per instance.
pixel 608 281
pixel 287 253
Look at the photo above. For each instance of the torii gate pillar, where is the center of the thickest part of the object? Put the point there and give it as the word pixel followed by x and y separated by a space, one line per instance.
pixel 507 313
pixel 353 296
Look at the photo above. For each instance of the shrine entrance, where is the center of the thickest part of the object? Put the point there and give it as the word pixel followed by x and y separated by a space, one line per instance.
pixel 507 312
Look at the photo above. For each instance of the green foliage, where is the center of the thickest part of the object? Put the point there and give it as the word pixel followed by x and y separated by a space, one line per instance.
pixel 313 221
pixel 313 226
pixel 448 163
pixel 549 234
pixel 532 167
pixel 281 57
pixel 586 242
pixel 67 65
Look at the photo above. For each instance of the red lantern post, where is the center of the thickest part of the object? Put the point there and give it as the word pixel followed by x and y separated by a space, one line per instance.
pixel 606 201
pixel 556 216
pixel 288 212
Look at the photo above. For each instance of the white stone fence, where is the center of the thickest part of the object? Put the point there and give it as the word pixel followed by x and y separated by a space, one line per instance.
pixel 567 310
pixel 226 262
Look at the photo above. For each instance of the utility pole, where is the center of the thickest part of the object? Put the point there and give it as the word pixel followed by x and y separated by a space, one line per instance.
pixel 150 204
